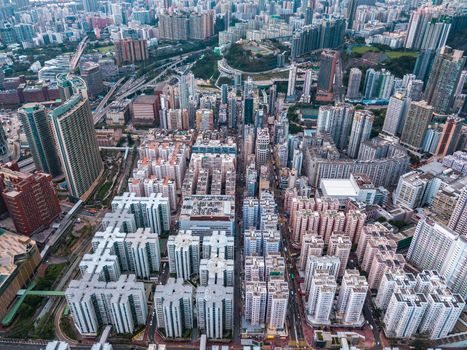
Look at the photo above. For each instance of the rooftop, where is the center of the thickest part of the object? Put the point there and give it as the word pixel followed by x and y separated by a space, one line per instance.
pixel 338 187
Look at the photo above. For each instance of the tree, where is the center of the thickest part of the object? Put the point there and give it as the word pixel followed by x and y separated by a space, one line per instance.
pixel 421 341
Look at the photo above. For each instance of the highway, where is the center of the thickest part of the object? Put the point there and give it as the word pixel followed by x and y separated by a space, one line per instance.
pixel 102 107
pixel 79 51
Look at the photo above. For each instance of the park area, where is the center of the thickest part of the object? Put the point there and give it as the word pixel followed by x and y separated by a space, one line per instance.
pixel 391 54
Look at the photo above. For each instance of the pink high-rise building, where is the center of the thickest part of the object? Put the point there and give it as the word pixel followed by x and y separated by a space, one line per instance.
pixel 312 244
pixel 331 221
pixel 384 261
pixel 354 221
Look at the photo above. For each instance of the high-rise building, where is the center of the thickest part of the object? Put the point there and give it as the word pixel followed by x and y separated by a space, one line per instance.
pixel 450 136
pixel 131 51
pixel 361 130
pixel 396 113
pixel 218 244
pixel 353 87
pixel 321 297
pixel 391 282
pixel 152 211
pixel 40 139
pixel 313 245
pixel 145 111
pixel 337 121
pixel 74 135
pixel 415 89
pixel 292 80
pixel 90 5
pixel 30 200
pixel 423 64
pixel 248 110
pixel 91 74
pixel 415 190
pixel 173 307
pixel 327 69
pixel 256 297
pixel 201 25
pixel 444 76
pixel 352 295
pixel 215 306
pixel 216 271
pixel 442 313
pixel 262 147
pixel 316 263
pixel 95 303
pixel 254 268
pixel 204 119
pixel 307 85
pixel 458 220
pixel 183 250
pixel 416 123
pixel 354 221
pixel 325 33
pixel 404 313
pixel 428 28
pixel 340 245
pixel 186 88
pixel 278 298
pixel 378 84
pixel 454 268
pixel 430 245
pixel 143 252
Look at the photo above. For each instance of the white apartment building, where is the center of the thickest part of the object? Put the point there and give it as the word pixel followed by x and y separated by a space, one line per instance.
pixel 340 246
pixel 443 312
pixel 278 297
pixel 215 306
pixel 431 244
pixel 144 256
pixel 173 307
pixel 153 211
pixel 428 307
pixel 274 266
pixel 415 190
pixel 328 263
pixel 256 297
pixel 352 295
pixel 321 297
pixel 393 281
pixel 261 242
pixel 254 268
pixel 312 244
pixel 384 261
pixel 101 263
pixel 458 220
pixel 454 268
pixel 404 313
pixel 216 271
pixel 251 218
pixel 184 254
pixel 95 303
pixel 218 244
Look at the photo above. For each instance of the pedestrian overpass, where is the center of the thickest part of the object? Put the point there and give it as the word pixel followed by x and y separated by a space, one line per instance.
pixel 22 294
